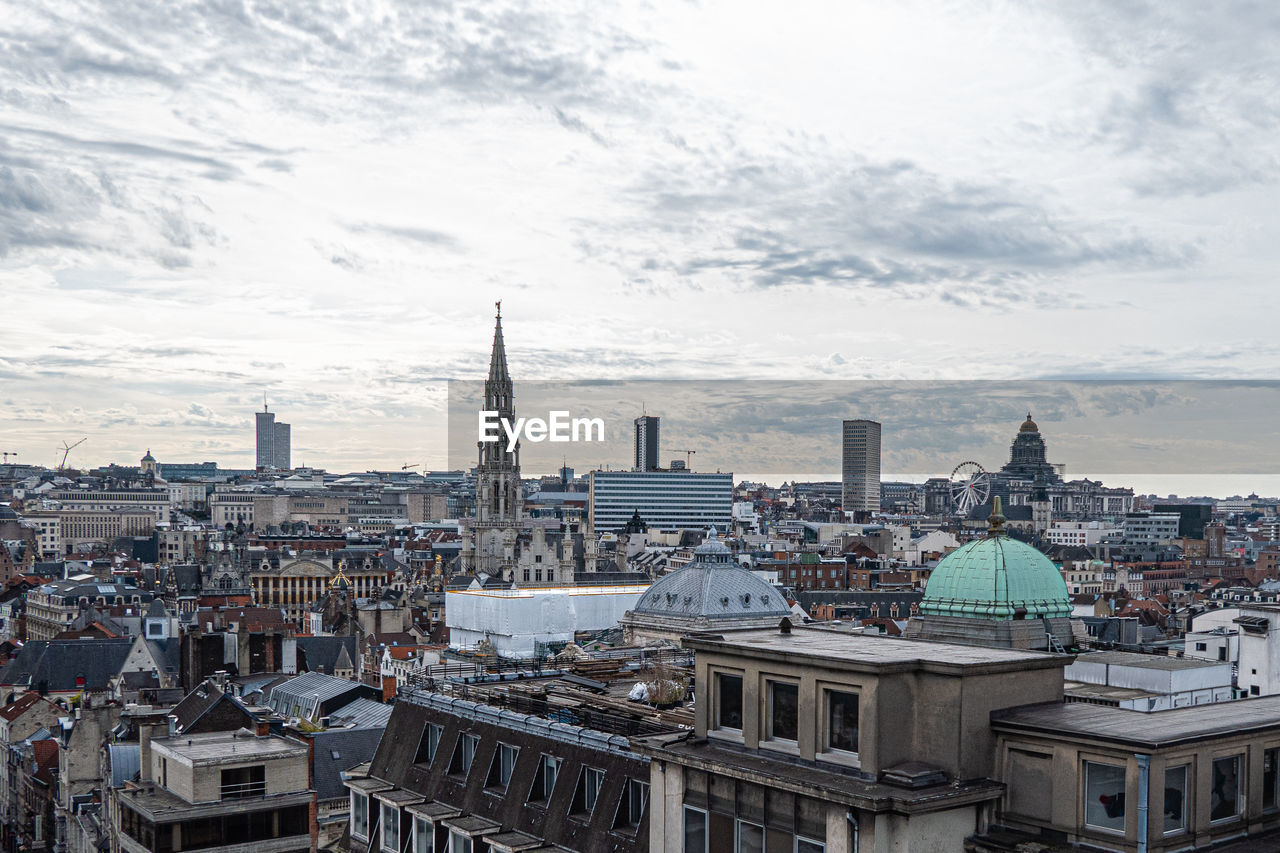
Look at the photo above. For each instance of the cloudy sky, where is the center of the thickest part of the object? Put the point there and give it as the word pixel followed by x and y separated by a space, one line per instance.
pixel 200 202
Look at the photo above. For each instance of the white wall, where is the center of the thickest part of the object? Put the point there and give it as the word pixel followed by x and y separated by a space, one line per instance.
pixel 514 620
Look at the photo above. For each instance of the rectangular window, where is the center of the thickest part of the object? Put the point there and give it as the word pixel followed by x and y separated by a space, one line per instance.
pixel 240 782
pixel 1104 796
pixel 459 843
pixel 1224 794
pixel 748 837
pixel 424 836
pixel 1270 791
pixel 589 784
pixel 429 744
pixel 728 701
pixel 808 845
pixel 464 754
pixel 842 720
pixel 504 762
pixel 784 710
pixel 1175 799
pixel 544 780
pixel 390 828
pixel 360 815
pixel 635 796
pixel 695 830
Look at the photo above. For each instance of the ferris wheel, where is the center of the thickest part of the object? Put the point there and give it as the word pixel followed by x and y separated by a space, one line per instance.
pixel 970 487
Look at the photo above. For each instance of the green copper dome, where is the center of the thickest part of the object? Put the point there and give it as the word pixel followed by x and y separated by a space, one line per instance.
pixel 996 578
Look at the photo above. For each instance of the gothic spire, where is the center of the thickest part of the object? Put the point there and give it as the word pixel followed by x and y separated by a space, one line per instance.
pixel 497 388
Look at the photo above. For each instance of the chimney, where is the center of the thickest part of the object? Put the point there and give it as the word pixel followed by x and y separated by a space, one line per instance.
pixel 144 753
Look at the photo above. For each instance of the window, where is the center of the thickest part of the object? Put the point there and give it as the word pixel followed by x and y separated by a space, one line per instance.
pixel 695 830
pixel 1104 796
pixel 464 753
pixel 784 710
pixel 1270 791
pixel 635 796
pixel 504 762
pixel 1224 795
pixel 241 782
pixel 728 701
pixel 424 835
pixel 842 721
pixel 1175 799
pixel 544 780
pixel 459 843
pixel 1200 647
pixel 589 783
pixel 808 845
pixel 429 744
pixel 390 828
pixel 360 815
pixel 748 837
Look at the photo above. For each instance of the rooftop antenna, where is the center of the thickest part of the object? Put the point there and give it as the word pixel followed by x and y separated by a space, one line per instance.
pixel 264 399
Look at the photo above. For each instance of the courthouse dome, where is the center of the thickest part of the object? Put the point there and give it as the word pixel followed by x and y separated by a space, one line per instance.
pixel 1028 425
pixel 996 578
pixel 711 587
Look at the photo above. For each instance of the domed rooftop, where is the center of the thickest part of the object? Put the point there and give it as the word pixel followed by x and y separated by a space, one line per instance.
pixel 148 457
pixel 996 578
pixel 711 587
pixel 1028 425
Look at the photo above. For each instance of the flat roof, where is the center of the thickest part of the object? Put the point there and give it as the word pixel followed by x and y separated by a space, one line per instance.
pixel 1152 729
pixel 846 650
pixel 229 747
pixel 1161 662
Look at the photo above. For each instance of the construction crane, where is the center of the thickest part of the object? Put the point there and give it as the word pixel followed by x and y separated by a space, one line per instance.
pixel 66 449
pixel 6 454
pixel 688 457
pixel 406 466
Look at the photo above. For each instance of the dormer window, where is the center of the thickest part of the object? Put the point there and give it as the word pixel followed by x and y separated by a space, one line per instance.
pixel 842 721
pixel 728 701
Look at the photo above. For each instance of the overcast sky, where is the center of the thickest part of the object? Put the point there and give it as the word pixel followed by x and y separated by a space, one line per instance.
pixel 203 202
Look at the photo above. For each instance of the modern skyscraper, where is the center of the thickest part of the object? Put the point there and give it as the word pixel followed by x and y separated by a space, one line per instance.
pixel 281 450
pixel 646 443
pixel 273 441
pixel 266 435
pixel 860 466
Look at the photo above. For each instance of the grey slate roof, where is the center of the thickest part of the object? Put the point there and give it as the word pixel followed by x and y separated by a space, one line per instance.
pixel 338 750
pixel 57 663
pixel 316 653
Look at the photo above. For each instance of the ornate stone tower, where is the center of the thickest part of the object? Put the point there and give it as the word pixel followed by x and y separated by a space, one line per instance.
pixel 491 546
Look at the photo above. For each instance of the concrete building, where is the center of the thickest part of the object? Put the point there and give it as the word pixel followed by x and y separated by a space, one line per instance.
pixel 647 444
pixel 281 449
pixel 666 500
pixel 1150 529
pixel 860 466
pixel 231 791
pixel 52 607
pixel 1081 534
pixel 816 740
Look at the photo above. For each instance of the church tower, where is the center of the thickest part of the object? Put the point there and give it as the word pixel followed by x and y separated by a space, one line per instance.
pixel 491 547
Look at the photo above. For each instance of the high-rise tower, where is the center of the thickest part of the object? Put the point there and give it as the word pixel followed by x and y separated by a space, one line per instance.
pixel 266 437
pixel 646 443
pixel 860 466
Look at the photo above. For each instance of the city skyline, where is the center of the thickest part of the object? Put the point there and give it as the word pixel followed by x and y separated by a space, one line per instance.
pixel 919 191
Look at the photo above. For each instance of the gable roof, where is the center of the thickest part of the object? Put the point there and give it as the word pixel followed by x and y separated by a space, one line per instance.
pixel 56 664
pixel 22 705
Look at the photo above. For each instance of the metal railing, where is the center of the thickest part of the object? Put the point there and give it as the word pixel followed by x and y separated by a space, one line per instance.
pixel 240 790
